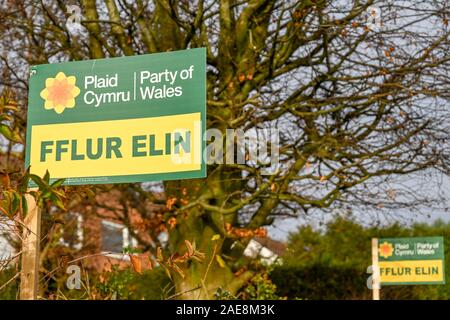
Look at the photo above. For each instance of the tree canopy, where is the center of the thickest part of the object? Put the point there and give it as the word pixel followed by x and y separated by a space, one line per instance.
pixel 357 89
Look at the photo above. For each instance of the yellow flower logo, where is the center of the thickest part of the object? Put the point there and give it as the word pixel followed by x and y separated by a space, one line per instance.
pixel 386 250
pixel 60 92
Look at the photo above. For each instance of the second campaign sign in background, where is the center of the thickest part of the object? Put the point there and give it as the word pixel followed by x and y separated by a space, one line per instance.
pixel 416 260
pixel 128 119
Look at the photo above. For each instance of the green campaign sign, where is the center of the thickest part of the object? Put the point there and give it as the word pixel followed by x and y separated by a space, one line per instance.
pixel 418 260
pixel 118 120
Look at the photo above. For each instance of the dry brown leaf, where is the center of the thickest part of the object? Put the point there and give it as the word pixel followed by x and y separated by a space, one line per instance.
pixel 189 247
pixel 136 263
pixel 159 254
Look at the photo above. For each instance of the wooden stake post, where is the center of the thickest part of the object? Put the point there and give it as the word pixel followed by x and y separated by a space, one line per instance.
pixel 375 271
pixel 29 277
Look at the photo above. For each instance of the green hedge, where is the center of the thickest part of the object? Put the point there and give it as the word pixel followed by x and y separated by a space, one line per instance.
pixel 318 281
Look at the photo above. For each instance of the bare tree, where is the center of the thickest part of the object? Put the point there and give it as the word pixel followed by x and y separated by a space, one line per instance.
pixel 358 89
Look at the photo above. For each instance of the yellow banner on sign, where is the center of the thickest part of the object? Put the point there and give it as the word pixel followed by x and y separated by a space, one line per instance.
pixel 411 271
pixel 117 147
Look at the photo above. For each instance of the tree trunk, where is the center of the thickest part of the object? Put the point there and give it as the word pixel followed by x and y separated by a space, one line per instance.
pixel 199 226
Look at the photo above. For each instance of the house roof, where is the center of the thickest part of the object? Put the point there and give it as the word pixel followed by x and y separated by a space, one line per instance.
pixel 275 246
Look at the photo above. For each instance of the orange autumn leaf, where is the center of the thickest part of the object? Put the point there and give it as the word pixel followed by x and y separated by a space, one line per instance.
pixel 5 180
pixel 170 203
pixel 136 263
pixel 245 233
pixel 240 271
pixel 172 222
pixel 261 232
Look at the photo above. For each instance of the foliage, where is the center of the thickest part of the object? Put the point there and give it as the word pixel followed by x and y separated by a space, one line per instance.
pixel 173 263
pixel 125 284
pixel 320 281
pixel 9 107
pixel 261 287
pixel 332 264
pixel 115 284
pixel 222 294
pixel 12 197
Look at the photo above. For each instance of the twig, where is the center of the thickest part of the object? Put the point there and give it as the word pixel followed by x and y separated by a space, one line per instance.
pixel 207 271
pixel 183 292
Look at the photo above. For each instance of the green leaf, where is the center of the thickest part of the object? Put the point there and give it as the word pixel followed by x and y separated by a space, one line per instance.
pixel 23 184
pixel 46 194
pixel 57 183
pixel 7 196
pixel 24 206
pixel 57 202
pixel 47 177
pixel 5 131
pixel 38 180
pixel 9 134
pixel 15 203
